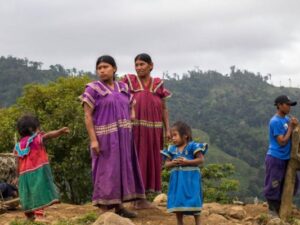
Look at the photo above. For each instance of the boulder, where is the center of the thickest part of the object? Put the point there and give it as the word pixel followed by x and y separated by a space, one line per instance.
pixel 160 199
pixel 277 221
pixel 216 219
pixel 204 213
pixel 110 218
pixel 236 212
pixel 215 208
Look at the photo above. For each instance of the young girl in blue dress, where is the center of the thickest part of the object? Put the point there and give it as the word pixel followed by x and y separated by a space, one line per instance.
pixel 183 158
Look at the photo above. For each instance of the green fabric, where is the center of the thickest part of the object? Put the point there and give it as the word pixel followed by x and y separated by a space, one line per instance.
pixel 37 189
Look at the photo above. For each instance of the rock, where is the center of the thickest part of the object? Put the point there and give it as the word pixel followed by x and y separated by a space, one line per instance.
pixel 247 223
pixel 163 204
pixel 238 203
pixel 265 204
pixel 204 213
pixel 110 218
pixel 249 218
pixel 215 208
pixel 161 198
pixel 276 221
pixel 236 212
pixel 296 221
pixel 216 219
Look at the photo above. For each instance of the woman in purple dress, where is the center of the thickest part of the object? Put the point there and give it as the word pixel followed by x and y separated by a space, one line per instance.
pixel 108 110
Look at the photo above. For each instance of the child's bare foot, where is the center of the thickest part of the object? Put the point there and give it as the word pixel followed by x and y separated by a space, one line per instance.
pixel 144 204
pixel 41 219
pixel 30 216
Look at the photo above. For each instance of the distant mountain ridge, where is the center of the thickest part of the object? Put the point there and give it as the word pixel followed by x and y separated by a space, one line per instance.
pixel 231 112
pixel 234 110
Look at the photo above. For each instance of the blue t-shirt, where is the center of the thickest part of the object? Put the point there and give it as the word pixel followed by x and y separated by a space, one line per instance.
pixel 278 126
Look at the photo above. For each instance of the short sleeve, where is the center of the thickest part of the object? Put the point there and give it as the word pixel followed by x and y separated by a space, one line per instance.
pixel 163 93
pixel 124 79
pixel 166 153
pixel 199 147
pixel 40 137
pixel 277 128
pixel 88 97
pixel 125 90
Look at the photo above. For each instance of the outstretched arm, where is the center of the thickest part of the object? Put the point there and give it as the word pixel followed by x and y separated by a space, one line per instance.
pixel 56 133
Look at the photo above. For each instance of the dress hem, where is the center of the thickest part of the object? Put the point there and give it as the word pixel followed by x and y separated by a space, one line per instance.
pixel 127 198
pixel 55 201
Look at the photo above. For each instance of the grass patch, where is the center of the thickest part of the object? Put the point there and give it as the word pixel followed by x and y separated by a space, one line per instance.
pixel 25 222
pixel 263 219
pixel 87 219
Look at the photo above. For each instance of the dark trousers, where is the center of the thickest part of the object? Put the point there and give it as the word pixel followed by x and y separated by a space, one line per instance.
pixel 274 181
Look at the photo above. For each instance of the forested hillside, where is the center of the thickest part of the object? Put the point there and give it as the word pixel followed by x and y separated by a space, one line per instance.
pixel 234 110
pixel 231 112
pixel 16 72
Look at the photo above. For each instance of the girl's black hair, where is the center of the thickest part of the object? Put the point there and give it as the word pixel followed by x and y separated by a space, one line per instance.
pixel 143 57
pixel 27 125
pixel 183 129
pixel 107 59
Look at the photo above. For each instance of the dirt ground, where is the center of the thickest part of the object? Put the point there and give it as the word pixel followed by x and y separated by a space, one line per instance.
pixel 157 216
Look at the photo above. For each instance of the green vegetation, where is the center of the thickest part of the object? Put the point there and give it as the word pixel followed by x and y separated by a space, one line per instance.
pixel 15 73
pixel 86 219
pixel 56 105
pixel 217 185
pixel 230 112
pixel 25 222
pixel 234 110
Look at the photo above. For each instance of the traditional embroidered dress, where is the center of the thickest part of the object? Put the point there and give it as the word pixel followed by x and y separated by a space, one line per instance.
pixel 116 172
pixel 185 191
pixel 36 185
pixel 148 128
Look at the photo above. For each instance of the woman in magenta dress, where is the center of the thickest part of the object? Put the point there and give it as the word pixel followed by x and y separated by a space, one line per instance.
pixel 151 116
pixel 116 173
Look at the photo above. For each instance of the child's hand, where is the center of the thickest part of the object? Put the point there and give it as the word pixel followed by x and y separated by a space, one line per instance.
pixel 65 130
pixel 183 161
pixel 175 162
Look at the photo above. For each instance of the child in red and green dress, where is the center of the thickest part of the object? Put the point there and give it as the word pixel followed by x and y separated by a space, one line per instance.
pixel 36 186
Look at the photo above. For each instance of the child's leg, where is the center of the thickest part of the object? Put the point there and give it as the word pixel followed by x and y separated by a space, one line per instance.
pixel 39 212
pixel 179 217
pixel 197 219
pixel 30 215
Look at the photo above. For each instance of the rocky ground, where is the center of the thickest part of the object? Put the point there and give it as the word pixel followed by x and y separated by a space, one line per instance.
pixel 212 214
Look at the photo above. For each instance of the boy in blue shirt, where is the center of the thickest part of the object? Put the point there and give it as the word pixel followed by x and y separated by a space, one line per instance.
pixel 280 131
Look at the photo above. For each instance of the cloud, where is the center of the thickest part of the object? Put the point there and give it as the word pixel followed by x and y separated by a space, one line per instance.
pixel 262 36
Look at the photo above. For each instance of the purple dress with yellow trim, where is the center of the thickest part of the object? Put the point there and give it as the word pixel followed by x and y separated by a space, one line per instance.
pixel 148 127
pixel 116 172
pixel 185 189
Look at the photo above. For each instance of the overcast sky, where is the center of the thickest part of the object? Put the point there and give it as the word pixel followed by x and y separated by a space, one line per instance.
pixel 257 35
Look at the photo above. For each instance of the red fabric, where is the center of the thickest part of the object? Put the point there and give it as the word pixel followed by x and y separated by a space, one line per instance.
pixel 37 156
pixel 148 140
pixel 39 212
